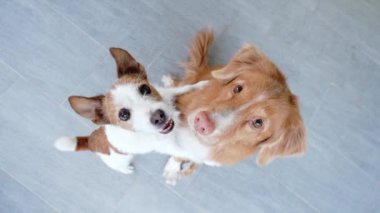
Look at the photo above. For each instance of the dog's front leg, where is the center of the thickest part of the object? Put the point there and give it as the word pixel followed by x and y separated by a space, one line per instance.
pixel 176 168
pixel 118 162
pixel 169 93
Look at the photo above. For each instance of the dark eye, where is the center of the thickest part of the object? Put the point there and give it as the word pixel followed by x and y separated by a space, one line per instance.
pixel 257 123
pixel 124 114
pixel 144 89
pixel 238 89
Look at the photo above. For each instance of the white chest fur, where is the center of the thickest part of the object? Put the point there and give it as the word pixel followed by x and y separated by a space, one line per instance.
pixel 181 142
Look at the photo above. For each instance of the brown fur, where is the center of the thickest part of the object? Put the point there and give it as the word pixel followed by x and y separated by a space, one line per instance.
pixel 82 144
pixel 126 64
pixel 90 108
pixel 189 169
pixel 101 110
pixel 285 133
pixel 198 60
pixel 98 142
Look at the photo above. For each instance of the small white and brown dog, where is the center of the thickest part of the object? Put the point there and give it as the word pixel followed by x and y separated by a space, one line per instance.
pixel 133 106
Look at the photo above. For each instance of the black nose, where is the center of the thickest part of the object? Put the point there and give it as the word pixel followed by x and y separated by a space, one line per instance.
pixel 158 118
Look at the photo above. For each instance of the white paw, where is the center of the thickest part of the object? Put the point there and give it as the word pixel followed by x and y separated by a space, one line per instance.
pixel 171 178
pixel 185 165
pixel 167 80
pixel 172 171
pixel 129 170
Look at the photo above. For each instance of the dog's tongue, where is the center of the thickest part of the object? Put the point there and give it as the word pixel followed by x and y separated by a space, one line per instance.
pixel 168 127
pixel 203 124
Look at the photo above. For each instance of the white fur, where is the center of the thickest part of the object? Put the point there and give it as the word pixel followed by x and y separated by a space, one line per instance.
pixel 167 80
pixel 118 162
pixel 145 137
pixel 66 144
pixel 169 93
pixel 181 142
pixel 141 107
pixel 172 171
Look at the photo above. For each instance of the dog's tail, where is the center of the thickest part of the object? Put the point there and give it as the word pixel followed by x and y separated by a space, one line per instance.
pixel 68 144
pixel 198 58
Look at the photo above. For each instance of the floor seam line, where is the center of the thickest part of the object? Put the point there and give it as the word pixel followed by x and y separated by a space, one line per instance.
pixel 13 69
pixel 172 190
pixel 301 198
pixel 27 188
pixel 75 25
pixel 352 162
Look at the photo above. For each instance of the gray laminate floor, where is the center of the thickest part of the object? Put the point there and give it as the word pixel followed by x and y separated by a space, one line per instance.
pixel 50 49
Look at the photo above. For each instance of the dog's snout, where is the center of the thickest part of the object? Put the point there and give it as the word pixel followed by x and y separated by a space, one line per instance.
pixel 158 118
pixel 203 124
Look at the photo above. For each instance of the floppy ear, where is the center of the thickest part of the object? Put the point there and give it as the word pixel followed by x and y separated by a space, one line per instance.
pixel 98 141
pixel 247 55
pixel 90 108
pixel 126 64
pixel 224 74
pixel 292 141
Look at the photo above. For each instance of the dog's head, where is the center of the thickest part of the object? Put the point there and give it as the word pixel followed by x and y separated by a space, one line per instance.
pixel 132 103
pixel 248 107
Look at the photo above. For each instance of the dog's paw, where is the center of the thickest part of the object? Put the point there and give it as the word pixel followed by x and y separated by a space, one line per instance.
pixel 172 171
pixel 203 83
pixel 171 178
pixel 128 170
pixel 167 80
pixel 188 167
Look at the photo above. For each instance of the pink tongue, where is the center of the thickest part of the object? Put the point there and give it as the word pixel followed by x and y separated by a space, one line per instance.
pixel 203 124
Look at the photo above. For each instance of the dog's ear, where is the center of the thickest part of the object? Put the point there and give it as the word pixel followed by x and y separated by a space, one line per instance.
pixel 224 74
pixel 291 141
pixel 126 64
pixel 248 58
pixel 98 141
pixel 247 55
pixel 90 108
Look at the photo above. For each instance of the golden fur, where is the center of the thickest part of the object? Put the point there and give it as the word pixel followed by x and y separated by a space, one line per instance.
pixel 284 132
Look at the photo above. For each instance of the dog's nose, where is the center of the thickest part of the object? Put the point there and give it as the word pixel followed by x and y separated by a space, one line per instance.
pixel 158 118
pixel 203 124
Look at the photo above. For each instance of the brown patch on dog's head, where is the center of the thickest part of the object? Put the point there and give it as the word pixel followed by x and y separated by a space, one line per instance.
pixel 252 91
pixel 130 71
pixel 99 108
pixel 126 64
pixel 130 94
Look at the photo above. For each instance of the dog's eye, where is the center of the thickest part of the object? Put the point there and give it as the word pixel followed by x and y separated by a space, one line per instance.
pixel 238 89
pixel 257 123
pixel 144 89
pixel 124 114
